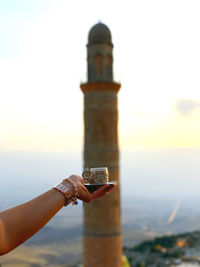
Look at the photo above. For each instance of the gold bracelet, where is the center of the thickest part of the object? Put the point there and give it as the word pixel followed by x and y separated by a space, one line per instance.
pixel 67 193
pixel 75 189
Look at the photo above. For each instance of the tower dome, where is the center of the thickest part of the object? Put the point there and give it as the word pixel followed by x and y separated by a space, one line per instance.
pixel 99 33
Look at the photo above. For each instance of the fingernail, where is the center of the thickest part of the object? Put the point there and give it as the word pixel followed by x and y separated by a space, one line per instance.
pixel 107 188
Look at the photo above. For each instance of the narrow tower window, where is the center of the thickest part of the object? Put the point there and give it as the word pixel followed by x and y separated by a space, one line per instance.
pixel 98 64
pixel 89 68
pixel 108 63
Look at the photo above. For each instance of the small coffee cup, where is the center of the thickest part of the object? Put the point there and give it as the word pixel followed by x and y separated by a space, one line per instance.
pixel 96 175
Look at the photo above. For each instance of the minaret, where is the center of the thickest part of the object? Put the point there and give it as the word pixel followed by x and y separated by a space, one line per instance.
pixel 102 241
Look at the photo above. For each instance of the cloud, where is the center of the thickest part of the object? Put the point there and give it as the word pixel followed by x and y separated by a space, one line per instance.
pixel 186 106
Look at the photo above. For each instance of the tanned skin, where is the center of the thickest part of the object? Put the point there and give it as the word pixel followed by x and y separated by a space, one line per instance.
pixel 21 222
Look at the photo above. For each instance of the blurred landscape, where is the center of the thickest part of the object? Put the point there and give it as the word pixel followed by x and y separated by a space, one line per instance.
pixel 59 243
pixel 160 196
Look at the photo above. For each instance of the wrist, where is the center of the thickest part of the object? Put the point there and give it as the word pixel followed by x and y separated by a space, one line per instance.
pixel 69 190
pixel 74 189
pixel 65 191
pixel 68 185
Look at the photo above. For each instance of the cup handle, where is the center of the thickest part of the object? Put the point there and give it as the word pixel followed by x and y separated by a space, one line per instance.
pixel 86 174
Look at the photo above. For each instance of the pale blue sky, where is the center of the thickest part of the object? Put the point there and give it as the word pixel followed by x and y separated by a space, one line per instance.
pixel 145 173
pixel 43 60
pixel 15 19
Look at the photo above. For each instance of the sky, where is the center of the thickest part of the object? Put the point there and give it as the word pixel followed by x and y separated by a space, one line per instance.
pixel 156 60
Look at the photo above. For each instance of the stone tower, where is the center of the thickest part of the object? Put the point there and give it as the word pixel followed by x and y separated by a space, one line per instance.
pixel 102 241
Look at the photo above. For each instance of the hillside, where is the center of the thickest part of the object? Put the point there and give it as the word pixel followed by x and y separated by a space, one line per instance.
pixel 55 247
pixel 166 251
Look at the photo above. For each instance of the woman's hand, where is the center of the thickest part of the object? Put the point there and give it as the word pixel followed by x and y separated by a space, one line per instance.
pixel 84 194
pixel 21 222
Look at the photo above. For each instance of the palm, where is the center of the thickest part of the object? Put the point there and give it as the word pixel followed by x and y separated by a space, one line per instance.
pixel 84 194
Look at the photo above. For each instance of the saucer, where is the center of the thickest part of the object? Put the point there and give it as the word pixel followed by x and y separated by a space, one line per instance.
pixel 93 187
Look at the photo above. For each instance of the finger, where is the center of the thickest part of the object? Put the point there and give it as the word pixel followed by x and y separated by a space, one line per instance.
pixel 82 180
pixel 101 191
pixel 108 189
pixel 84 194
pixel 77 179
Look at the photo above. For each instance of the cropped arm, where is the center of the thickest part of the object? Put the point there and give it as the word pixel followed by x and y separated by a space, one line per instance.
pixel 21 222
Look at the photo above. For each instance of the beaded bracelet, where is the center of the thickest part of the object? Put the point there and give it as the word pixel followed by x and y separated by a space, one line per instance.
pixel 75 189
pixel 66 191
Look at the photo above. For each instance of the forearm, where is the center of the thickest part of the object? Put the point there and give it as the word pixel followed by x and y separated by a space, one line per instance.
pixel 19 223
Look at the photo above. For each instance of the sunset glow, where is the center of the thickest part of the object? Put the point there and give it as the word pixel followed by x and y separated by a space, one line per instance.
pixel 43 61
